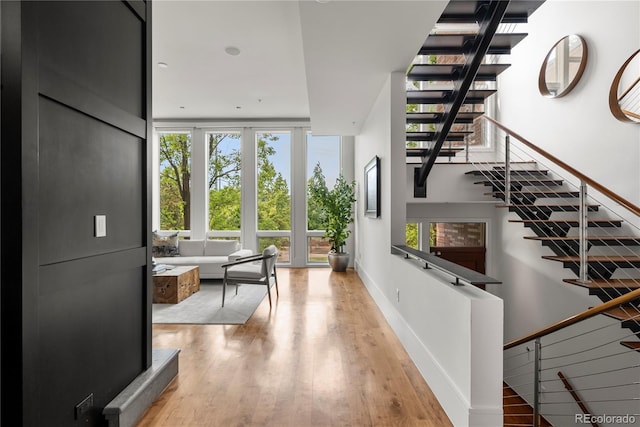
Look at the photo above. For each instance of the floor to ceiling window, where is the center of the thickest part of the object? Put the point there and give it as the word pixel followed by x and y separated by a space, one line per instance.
pixel 174 150
pixel 274 191
pixel 322 151
pixel 224 184
pixel 244 182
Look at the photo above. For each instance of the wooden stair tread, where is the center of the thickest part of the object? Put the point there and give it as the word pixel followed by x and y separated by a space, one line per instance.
pixel 436 117
pixel 450 72
pixel 633 345
pixel 576 238
pixel 626 313
pixel 453 44
pixel 540 193
pixel 606 284
pixel 555 208
pixel 429 136
pixel 594 258
pixel 443 96
pixel 466 12
pixel 517 411
pixel 574 222
pixel 497 172
pixel 525 182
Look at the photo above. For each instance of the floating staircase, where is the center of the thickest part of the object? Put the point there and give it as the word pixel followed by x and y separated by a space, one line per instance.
pixel 451 78
pixel 537 208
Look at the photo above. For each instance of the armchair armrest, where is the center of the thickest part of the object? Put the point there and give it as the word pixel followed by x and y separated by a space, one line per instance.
pixel 239 254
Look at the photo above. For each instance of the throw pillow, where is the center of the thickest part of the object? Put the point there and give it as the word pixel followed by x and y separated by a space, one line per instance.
pixel 164 246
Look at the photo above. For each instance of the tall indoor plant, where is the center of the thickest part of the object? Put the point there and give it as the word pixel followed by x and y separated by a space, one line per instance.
pixel 335 213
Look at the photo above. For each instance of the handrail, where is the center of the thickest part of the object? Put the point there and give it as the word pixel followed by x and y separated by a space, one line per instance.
pixel 576 396
pixel 575 319
pixel 613 196
pixel 459 272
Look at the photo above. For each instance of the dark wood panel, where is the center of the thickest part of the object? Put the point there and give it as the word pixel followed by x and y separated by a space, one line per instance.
pixel 97 44
pixel 75 309
pixel 87 168
pixel 62 276
pixel 86 346
pixel 54 86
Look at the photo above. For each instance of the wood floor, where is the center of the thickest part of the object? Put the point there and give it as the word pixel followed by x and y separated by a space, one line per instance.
pixel 323 356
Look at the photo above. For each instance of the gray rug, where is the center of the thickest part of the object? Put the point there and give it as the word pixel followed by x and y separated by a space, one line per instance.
pixel 203 307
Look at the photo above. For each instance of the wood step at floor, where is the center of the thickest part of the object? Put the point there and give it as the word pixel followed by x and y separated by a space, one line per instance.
pixel 633 345
pixel 517 412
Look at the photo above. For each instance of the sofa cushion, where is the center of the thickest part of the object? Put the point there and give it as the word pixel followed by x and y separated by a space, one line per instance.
pixel 221 247
pixel 191 248
pixel 164 246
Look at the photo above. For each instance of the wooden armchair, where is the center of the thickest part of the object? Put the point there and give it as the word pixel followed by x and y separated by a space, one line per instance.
pixel 249 270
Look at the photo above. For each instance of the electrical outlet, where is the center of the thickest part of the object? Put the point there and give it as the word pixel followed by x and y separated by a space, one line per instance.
pixel 84 406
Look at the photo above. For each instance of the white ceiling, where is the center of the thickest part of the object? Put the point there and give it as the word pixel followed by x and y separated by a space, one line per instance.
pixel 326 61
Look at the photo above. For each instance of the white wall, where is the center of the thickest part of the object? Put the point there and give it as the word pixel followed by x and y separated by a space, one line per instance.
pixel 424 308
pixel 578 128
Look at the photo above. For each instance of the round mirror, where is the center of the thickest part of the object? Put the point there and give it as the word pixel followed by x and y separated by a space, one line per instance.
pixel 624 95
pixel 563 66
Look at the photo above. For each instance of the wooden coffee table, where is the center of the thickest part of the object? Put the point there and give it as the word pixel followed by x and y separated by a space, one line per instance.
pixel 173 286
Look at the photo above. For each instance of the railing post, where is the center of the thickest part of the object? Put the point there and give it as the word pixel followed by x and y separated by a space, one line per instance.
pixel 507 171
pixel 583 225
pixel 536 383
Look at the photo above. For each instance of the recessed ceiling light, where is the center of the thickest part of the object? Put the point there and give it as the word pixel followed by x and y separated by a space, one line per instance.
pixel 232 50
pixel 163 65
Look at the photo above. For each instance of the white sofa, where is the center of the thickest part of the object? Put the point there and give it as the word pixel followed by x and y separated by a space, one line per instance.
pixel 208 255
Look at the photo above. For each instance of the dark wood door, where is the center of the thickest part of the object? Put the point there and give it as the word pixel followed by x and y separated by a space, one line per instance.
pixel 470 257
pixel 76 316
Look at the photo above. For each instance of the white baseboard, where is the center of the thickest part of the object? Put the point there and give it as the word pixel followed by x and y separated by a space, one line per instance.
pixel 455 405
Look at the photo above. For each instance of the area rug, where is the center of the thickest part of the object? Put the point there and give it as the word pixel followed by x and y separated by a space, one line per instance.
pixel 204 308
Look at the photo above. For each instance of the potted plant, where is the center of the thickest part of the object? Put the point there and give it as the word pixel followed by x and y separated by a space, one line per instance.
pixel 334 213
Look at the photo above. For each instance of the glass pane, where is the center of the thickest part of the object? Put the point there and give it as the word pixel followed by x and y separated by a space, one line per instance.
pixel 175 180
pixel 274 180
pixel 224 180
pixel 412 235
pixel 323 151
pixel 317 249
pixel 457 234
pixel 282 243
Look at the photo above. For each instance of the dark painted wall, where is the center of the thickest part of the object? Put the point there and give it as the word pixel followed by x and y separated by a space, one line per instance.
pixel 75 309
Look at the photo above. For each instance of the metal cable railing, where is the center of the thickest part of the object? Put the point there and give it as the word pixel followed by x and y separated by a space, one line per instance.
pixel 595 234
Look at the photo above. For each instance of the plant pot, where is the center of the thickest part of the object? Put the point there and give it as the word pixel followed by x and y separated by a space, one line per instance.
pixel 339 261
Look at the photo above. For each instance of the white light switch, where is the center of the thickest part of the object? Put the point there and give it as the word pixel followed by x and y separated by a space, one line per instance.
pixel 101 225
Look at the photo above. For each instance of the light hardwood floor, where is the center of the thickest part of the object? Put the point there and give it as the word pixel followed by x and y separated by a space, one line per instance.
pixel 323 356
